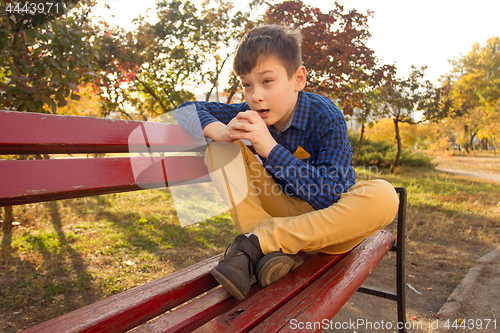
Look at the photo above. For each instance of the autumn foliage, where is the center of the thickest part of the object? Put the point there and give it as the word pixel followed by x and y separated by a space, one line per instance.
pixel 334 50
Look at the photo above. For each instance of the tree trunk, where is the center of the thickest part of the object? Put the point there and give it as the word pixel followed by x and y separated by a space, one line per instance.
pixel 235 83
pixel 398 142
pixel 466 134
pixel 472 136
pixel 360 144
pixel 8 218
pixel 495 145
pixel 484 144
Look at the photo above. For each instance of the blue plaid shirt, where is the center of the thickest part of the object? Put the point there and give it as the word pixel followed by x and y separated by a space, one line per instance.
pixel 312 159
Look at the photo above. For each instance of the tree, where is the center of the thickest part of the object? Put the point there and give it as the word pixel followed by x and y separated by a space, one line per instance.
pixel 474 89
pixel 492 130
pixel 370 102
pixel 436 102
pixel 88 105
pixel 412 135
pixel 362 116
pixel 334 52
pixel 45 52
pixel 44 55
pixel 189 46
pixel 400 97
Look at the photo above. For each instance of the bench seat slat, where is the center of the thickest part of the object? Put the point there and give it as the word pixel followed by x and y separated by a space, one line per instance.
pixel 326 296
pixel 253 310
pixel 36 133
pixel 28 181
pixel 133 307
pixel 192 315
pixel 198 312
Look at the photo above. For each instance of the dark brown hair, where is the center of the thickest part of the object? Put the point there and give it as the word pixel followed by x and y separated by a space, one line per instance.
pixel 265 41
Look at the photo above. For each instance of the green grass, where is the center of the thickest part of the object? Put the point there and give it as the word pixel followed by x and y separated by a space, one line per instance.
pixel 68 254
pixel 459 213
pixel 74 252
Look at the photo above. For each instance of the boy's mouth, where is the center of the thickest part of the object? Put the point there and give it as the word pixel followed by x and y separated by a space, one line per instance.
pixel 263 112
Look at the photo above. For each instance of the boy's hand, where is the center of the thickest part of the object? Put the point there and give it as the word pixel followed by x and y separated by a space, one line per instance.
pixel 221 132
pixel 249 125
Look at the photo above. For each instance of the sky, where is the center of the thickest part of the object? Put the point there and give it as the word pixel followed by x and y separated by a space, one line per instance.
pixel 404 33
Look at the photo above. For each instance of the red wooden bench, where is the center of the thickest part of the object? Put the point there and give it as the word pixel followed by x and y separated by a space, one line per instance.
pixel 190 299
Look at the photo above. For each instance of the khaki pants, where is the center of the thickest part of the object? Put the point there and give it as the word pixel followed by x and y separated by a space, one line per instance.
pixel 290 224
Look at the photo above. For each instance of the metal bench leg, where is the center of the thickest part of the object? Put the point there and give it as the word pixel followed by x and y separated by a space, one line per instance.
pixel 400 259
pixel 399 247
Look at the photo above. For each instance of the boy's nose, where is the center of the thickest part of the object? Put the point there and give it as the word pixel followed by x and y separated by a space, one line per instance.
pixel 257 96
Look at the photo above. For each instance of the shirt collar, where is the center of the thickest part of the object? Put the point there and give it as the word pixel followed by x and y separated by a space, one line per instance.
pixel 300 114
pixel 290 119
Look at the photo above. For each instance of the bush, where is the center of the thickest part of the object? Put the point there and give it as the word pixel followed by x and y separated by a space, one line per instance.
pixel 383 154
pixel 415 159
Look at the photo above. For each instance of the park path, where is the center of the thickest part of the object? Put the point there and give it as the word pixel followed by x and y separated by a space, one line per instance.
pixel 476 174
pixel 475 299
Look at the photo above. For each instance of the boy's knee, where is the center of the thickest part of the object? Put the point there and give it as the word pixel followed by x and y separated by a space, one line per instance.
pixel 388 195
pixel 380 192
pixel 385 187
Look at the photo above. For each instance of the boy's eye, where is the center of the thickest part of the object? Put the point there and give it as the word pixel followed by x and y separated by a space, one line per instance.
pixel 267 81
pixel 245 85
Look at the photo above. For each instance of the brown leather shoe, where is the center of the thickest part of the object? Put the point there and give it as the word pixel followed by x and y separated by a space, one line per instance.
pixel 274 266
pixel 236 270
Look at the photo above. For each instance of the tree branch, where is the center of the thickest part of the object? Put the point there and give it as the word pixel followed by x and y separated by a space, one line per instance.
pixel 152 93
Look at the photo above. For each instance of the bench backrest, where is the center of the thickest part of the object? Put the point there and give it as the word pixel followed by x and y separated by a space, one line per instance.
pixel 28 181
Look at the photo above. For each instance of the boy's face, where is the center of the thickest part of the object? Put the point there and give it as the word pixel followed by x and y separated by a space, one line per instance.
pixel 268 90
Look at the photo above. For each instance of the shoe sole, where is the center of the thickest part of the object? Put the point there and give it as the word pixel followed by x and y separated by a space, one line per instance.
pixel 274 266
pixel 227 284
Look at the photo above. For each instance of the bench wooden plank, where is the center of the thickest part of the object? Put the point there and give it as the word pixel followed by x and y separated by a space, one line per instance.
pixel 28 181
pixel 326 296
pixel 133 307
pixel 194 314
pixel 36 133
pixel 254 310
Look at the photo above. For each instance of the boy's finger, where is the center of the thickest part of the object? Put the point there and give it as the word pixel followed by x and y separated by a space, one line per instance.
pixel 239 136
pixel 250 116
pixel 246 127
pixel 246 114
pixel 242 116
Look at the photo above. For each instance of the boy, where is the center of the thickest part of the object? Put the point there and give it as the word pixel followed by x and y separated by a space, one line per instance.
pixel 303 197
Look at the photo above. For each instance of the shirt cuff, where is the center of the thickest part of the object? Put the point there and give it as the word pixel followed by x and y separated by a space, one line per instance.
pixel 278 159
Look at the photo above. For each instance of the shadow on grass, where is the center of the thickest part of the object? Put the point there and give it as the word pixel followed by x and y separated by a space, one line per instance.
pixel 43 268
pixel 82 257
pixel 6 241
pixel 160 234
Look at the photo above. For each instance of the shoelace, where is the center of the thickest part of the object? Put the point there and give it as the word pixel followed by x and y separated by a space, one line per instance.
pixel 251 264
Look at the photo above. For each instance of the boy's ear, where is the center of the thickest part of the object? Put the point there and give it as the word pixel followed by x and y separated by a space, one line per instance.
pixel 300 78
